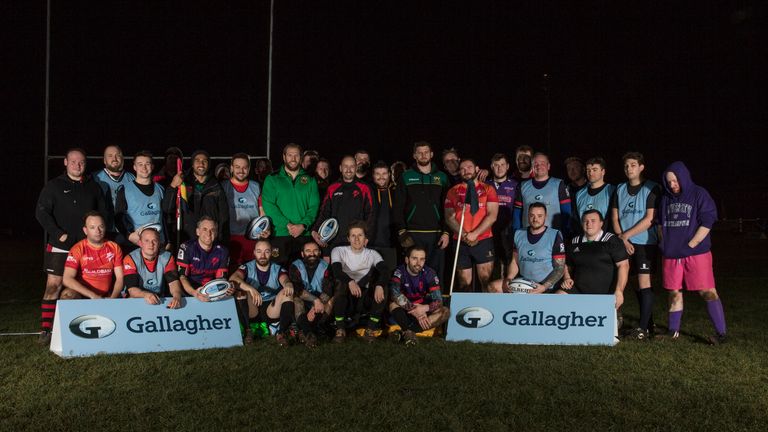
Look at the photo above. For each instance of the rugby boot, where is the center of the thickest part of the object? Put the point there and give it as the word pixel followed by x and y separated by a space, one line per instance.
pixel 310 341
pixel 281 339
pixel 409 337
pixel 369 335
pixel 717 339
pixel 341 336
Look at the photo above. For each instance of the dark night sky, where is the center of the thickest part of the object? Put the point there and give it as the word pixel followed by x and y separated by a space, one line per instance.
pixel 676 80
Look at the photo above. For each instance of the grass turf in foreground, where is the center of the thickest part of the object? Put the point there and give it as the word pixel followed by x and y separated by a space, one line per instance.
pixel 683 385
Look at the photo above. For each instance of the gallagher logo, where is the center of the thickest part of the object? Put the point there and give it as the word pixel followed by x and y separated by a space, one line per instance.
pixel 92 326
pixel 242 200
pixel 531 253
pixel 631 205
pixel 474 317
pixel 538 197
pixel 590 206
pixel 151 206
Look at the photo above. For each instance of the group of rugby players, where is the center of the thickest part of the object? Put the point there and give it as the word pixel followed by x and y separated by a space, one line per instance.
pixel 113 234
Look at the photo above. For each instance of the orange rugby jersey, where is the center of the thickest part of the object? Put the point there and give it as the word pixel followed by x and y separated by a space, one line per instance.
pixel 454 199
pixel 95 266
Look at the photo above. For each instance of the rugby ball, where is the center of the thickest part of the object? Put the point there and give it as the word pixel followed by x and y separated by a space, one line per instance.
pixel 216 289
pixel 257 226
pixel 328 229
pixel 153 226
pixel 521 285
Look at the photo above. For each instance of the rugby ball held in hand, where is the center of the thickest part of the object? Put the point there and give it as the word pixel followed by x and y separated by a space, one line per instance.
pixel 216 289
pixel 521 285
pixel 328 229
pixel 257 226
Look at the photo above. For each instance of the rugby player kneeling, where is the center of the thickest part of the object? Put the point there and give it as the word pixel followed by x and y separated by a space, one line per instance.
pixel 94 267
pixel 538 254
pixel 417 303
pixel 269 293
pixel 596 262
pixel 151 274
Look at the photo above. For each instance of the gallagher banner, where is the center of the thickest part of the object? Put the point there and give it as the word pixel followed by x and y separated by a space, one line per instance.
pixel 546 319
pixel 88 327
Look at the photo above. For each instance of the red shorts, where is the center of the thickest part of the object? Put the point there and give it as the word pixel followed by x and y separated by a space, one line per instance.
pixel 240 251
pixel 695 271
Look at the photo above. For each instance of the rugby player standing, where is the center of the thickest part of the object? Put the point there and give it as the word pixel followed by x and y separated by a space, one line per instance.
pixel 269 291
pixel 420 194
pixel 110 179
pixel 687 213
pixel 139 202
pixel 416 299
pixel 383 240
pixel 479 214
pixel 243 201
pixel 505 187
pixel 538 254
pixel 361 276
pixel 596 261
pixel 62 203
pixel 94 267
pixel 313 285
pixel 523 165
pixel 633 210
pixel 349 199
pixel 574 168
pixel 202 259
pixel 150 273
pixel 597 195
pixel 546 190
pixel 205 197
pixel 450 159
pixel 290 199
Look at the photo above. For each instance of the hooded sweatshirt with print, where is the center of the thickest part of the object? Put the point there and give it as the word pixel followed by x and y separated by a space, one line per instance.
pixel 683 213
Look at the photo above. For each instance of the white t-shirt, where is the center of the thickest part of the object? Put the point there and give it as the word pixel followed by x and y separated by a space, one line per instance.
pixel 355 264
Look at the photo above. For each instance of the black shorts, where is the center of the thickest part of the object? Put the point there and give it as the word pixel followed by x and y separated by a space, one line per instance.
pixel 53 263
pixel 480 253
pixel 502 245
pixel 644 260
pixel 262 316
pixel 285 249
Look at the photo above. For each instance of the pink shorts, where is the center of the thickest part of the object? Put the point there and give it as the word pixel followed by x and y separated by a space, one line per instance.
pixel 695 271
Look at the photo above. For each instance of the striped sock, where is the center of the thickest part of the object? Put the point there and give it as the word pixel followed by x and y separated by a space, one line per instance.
pixel 48 309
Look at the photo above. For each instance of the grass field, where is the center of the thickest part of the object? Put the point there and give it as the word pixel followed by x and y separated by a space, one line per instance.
pixel 683 385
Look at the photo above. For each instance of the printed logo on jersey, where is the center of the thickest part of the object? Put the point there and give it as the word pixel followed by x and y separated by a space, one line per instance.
pixel 590 206
pixel 474 317
pixel 110 256
pixel 538 197
pixel 92 326
pixel 151 206
pixel 304 180
pixel 531 253
pixel 71 259
pixel 241 200
pixel 149 282
pixel 436 180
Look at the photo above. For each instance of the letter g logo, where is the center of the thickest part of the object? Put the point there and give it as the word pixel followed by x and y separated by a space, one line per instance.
pixel 474 317
pixel 92 326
